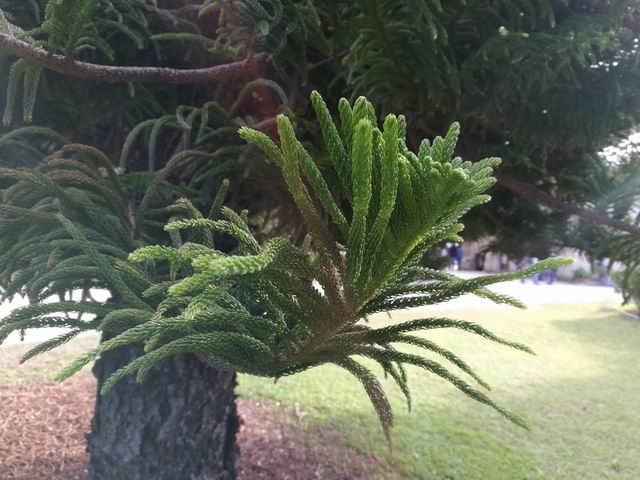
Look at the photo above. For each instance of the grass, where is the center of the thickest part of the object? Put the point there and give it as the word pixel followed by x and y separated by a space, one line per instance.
pixel 579 394
pixel 42 368
pixel 631 308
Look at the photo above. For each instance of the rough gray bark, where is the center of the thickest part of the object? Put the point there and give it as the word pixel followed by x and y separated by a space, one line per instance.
pixel 180 423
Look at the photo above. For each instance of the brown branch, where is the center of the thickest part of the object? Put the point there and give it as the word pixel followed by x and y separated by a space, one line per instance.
pixel 551 201
pixel 108 73
pixel 266 124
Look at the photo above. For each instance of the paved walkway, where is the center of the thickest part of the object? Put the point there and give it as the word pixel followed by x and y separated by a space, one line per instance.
pixel 528 292
pixel 541 294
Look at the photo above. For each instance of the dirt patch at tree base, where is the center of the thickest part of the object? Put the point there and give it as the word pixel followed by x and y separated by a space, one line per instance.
pixel 43 427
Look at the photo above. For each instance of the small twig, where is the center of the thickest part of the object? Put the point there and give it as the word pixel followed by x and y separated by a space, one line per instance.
pixel 108 73
pixel 266 124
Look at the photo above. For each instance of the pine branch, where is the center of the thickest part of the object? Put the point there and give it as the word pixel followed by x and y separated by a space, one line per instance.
pixel 544 198
pixel 107 73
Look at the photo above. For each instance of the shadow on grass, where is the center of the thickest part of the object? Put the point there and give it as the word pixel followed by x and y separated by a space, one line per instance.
pixel 606 328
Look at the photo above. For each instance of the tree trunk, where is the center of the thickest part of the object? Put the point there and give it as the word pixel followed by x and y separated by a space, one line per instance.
pixel 180 423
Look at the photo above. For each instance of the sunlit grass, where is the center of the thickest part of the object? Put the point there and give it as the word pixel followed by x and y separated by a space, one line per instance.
pixel 579 394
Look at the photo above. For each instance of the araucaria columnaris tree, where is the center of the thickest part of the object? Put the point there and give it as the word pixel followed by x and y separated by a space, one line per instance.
pixel 278 309
pixel 68 225
pixel 61 204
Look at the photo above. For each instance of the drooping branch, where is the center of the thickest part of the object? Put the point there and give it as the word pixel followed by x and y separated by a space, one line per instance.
pixel 551 201
pixel 108 73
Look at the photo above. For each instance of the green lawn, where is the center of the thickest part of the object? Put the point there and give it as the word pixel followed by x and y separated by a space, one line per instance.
pixel 580 395
pixel 43 367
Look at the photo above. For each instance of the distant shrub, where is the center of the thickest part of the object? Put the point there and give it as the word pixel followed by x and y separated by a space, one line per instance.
pixel 581 274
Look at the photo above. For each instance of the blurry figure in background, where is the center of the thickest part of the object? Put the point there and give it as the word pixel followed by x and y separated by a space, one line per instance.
pixel 459 255
pixel 551 275
pixel 444 252
pixel 603 266
pixel 536 276
pixel 504 262
pixel 526 262
pixel 522 263
pixel 452 256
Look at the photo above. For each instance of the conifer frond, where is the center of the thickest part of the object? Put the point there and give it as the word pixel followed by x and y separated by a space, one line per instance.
pixel 374 391
pixel 277 309
pixel 50 344
pixel 283 28
pixel 69 224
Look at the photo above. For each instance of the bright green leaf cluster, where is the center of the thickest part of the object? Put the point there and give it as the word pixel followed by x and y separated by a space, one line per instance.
pixel 278 309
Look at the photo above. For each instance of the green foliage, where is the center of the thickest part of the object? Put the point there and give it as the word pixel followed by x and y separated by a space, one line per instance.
pixel 70 27
pixel 209 126
pixel 285 29
pixel 278 309
pixel 438 58
pixel 626 250
pixel 543 84
pixel 74 29
pixel 199 148
pixel 68 224
pixel 29 75
pixel 616 192
pixel 628 281
pixel 581 274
